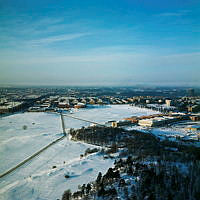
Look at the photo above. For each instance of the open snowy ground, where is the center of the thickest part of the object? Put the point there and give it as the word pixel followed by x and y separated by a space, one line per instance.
pixel 102 114
pixel 172 132
pixel 177 130
pixel 16 143
pixel 37 179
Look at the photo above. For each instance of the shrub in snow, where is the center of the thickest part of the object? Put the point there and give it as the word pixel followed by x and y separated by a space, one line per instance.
pixel 25 127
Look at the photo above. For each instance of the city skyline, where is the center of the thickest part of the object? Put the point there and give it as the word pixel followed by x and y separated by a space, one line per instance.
pixel 105 43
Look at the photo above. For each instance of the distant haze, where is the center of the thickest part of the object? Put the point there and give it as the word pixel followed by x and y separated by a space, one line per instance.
pixel 100 43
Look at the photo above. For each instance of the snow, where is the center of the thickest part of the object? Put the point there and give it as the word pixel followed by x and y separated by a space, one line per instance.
pixel 102 114
pixel 16 143
pixel 37 179
pixel 172 132
pixel 177 130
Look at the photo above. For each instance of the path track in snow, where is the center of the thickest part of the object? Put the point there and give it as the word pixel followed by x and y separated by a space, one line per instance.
pixel 46 147
pixel 38 152
pixel 31 157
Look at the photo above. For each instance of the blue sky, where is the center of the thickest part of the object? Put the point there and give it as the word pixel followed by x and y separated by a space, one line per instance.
pixel 100 42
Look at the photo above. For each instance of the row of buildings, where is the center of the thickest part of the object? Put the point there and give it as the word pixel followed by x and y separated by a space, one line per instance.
pixel 65 102
pixel 9 107
pixel 154 120
pixel 44 99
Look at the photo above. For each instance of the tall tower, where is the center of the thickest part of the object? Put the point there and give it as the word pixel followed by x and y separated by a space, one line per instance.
pixel 63 124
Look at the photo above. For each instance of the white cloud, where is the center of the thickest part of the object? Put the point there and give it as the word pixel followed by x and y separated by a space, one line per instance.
pixel 58 38
pixel 28 32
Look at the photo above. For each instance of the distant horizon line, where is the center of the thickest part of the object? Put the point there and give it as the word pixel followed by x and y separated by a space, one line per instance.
pixel 100 86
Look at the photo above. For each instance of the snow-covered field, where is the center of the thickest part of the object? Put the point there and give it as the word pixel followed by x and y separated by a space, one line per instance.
pixel 177 130
pixel 37 179
pixel 102 114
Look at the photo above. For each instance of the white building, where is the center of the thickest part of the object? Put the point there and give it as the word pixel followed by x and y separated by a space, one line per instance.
pixel 157 121
pixel 168 102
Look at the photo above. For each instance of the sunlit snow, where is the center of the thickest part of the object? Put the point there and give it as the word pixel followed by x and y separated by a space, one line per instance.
pixel 38 179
